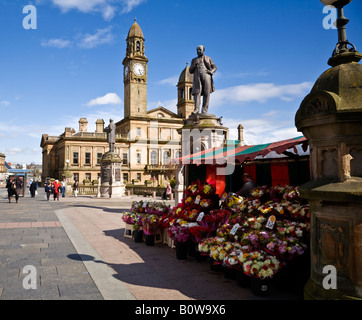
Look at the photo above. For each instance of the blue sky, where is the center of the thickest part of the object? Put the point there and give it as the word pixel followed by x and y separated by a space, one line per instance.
pixel 268 54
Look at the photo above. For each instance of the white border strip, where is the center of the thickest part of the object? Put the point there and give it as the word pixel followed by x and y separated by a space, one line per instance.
pixel 108 285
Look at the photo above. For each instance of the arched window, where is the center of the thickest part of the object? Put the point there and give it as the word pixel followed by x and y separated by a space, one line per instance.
pixel 153 157
pixel 166 157
pixel 138 46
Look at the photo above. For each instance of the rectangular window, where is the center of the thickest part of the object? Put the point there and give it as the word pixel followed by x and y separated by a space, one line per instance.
pixel 88 176
pixel 125 159
pixel 138 158
pixel 125 177
pixel 139 132
pixel 87 158
pixel 139 177
pixel 75 158
pixel 99 158
pixel 76 176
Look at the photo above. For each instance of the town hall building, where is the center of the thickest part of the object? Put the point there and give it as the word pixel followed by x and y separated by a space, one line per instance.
pixel 146 140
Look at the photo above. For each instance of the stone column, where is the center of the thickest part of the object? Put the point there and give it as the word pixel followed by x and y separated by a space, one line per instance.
pixel 330 117
pixel 111 176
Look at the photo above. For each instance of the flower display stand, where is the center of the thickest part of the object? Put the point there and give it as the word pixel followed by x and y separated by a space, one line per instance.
pixel 158 236
pixel 167 239
pixel 128 230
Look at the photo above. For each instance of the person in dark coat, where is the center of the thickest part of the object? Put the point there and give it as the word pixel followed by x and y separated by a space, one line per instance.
pixel 16 187
pixel 247 187
pixel 32 189
pixel 48 190
pixel 10 185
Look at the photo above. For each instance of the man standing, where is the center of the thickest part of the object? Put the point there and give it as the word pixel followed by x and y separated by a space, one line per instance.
pixel 111 135
pixel 64 184
pixel 203 68
pixel 247 187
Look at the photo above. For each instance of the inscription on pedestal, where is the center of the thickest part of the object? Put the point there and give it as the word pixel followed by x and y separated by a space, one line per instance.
pixel 106 175
pixel 118 175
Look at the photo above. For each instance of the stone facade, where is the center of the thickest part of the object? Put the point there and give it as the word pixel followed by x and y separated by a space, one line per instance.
pixel 2 169
pixel 146 141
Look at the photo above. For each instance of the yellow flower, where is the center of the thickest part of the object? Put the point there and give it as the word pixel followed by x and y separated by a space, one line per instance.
pixel 207 188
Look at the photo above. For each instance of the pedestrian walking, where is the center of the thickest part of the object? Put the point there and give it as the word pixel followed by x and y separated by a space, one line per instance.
pixel 32 189
pixel 64 184
pixel 18 186
pixel 57 187
pixel 48 190
pixel 75 188
pixel 10 185
pixel 167 193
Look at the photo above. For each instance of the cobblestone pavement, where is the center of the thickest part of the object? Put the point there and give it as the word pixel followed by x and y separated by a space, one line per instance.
pixel 78 251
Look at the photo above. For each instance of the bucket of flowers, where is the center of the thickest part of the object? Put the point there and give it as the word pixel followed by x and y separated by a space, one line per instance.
pixel 260 267
pixel 150 224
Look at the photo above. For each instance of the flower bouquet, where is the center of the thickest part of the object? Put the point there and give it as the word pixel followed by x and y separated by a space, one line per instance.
pixel 258 264
pixel 234 203
pixel 157 208
pixel 179 230
pixel 205 245
pixel 150 223
pixel 129 217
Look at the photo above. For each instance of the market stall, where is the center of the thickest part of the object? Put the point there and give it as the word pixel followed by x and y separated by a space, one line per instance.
pixel 281 162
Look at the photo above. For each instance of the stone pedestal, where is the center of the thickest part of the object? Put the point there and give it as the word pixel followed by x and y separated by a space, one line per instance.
pixel 201 131
pixel 111 176
pixel 330 117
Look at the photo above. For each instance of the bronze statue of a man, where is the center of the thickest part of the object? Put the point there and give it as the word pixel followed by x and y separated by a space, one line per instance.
pixel 203 68
pixel 111 135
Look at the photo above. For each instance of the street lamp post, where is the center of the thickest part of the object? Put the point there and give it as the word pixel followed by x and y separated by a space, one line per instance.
pixel 343 46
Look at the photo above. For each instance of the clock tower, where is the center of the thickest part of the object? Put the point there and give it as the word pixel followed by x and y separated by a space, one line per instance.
pixel 135 74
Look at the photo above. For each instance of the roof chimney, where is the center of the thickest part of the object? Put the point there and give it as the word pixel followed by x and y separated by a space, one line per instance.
pixel 241 135
pixel 83 122
pixel 100 126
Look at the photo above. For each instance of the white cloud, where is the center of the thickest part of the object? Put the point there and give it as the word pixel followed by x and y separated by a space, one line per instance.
pixel 172 81
pixel 89 41
pixel 84 41
pixel 4 103
pixel 260 92
pixel 56 43
pixel 109 98
pixel 107 8
pixel 270 127
pixel 129 5
pixel 13 151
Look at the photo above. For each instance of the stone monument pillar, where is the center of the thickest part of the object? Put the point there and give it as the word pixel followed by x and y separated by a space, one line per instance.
pixel 330 117
pixel 202 130
pixel 111 169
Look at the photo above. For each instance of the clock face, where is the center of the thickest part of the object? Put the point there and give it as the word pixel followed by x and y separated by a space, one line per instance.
pixel 126 70
pixel 138 69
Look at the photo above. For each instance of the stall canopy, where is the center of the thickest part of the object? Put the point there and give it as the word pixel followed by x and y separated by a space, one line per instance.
pixel 238 154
